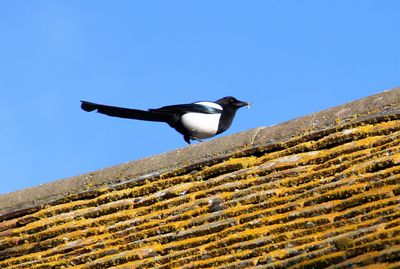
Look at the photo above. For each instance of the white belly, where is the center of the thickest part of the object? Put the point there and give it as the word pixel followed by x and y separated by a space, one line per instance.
pixel 201 125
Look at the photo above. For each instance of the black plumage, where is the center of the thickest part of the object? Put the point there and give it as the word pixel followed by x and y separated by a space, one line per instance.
pixel 194 121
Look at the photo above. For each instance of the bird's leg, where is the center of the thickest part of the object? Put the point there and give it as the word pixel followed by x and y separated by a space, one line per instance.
pixel 187 139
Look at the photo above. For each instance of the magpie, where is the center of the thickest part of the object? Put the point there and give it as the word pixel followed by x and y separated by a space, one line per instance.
pixel 195 121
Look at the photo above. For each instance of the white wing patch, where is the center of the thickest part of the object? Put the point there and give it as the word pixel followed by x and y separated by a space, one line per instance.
pixel 202 125
pixel 210 104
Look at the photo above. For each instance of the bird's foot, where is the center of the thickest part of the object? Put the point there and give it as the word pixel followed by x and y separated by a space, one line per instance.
pixel 188 139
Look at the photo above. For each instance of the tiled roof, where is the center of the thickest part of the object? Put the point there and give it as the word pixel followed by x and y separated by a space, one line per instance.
pixel 319 191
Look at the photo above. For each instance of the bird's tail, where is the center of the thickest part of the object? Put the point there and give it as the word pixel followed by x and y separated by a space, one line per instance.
pixel 126 113
pixel 88 106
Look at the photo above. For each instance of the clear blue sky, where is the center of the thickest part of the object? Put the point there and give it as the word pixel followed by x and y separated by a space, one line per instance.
pixel 289 58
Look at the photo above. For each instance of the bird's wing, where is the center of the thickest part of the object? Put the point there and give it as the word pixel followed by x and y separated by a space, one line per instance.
pixel 185 108
pixel 127 113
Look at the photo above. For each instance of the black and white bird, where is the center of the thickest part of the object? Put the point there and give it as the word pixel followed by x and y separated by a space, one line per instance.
pixel 195 121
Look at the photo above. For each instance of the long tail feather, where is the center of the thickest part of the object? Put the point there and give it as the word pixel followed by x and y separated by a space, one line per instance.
pixel 126 113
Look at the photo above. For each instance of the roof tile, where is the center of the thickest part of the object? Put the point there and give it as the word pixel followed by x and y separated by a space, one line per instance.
pixel 326 197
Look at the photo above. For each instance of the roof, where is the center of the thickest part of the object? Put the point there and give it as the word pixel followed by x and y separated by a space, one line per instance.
pixel 321 190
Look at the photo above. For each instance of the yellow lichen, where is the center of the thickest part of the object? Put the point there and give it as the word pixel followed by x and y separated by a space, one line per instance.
pixel 309 202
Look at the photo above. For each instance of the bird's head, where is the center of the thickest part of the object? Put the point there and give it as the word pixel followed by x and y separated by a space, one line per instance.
pixel 232 103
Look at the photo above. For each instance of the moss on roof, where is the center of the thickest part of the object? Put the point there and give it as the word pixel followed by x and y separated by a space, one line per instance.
pixel 325 197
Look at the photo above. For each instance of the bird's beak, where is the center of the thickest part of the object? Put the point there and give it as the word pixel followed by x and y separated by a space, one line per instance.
pixel 242 104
